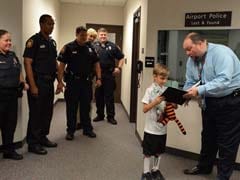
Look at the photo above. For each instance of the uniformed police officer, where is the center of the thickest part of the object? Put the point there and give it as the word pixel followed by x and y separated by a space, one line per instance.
pixel 10 79
pixel 108 52
pixel 40 65
pixel 80 57
pixel 91 37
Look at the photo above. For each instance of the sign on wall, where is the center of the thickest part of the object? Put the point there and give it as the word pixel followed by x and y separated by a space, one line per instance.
pixel 208 19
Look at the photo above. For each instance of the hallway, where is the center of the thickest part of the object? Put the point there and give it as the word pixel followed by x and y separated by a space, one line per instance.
pixel 115 154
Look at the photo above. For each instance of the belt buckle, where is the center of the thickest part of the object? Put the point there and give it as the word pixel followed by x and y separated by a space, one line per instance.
pixel 236 92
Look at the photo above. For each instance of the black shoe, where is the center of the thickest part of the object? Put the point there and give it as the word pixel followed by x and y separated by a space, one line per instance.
pixel 97 119
pixel 112 121
pixel 69 137
pixel 79 126
pixel 157 175
pixel 47 143
pixel 12 155
pixel 90 134
pixel 146 176
pixel 196 170
pixel 37 149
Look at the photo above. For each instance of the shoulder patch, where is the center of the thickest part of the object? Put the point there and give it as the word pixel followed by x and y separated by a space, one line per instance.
pixel 29 43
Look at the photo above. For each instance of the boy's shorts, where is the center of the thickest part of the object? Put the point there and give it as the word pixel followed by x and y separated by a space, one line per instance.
pixel 153 145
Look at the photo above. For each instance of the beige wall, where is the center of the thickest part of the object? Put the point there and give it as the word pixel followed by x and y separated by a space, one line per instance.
pixel 13 24
pixel 73 15
pixel 22 24
pixel 160 16
pixel 32 10
pixel 130 8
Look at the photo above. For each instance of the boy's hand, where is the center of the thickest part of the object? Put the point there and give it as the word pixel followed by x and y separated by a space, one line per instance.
pixel 159 99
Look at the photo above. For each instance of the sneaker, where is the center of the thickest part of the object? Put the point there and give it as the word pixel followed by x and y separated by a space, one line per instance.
pixel 146 176
pixel 157 175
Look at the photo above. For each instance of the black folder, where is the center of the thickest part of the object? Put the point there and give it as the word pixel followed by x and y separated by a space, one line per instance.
pixel 174 95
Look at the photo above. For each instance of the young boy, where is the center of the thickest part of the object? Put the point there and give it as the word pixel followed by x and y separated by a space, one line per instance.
pixel 154 140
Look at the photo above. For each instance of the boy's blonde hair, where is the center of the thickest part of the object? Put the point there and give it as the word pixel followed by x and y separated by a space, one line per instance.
pixel 160 69
pixel 92 32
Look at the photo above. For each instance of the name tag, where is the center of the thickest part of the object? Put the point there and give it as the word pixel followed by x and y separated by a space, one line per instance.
pixel 42 46
pixel 74 52
pixel 2 62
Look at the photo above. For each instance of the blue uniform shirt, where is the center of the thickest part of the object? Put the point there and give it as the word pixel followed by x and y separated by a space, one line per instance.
pixel 107 53
pixel 220 74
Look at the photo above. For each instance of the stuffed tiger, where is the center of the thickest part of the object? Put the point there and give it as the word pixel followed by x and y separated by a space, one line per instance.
pixel 169 115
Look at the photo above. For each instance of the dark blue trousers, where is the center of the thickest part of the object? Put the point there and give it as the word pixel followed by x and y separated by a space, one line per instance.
pixel 104 95
pixel 78 93
pixel 40 111
pixel 220 133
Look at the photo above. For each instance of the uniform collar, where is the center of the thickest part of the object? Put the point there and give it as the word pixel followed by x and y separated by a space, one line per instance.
pixel 42 37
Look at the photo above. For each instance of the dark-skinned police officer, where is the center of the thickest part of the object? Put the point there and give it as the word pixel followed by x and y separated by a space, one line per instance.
pixel 10 79
pixel 40 66
pixel 80 58
pixel 108 52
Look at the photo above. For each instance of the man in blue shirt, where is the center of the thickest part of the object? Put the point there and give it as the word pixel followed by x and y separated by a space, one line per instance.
pixel 217 69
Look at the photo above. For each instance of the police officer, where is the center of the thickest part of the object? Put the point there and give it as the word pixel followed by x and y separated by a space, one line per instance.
pixel 10 79
pixel 91 36
pixel 80 57
pixel 104 95
pixel 40 65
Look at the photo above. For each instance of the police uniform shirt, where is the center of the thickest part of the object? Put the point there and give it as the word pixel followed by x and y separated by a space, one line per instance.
pixel 107 53
pixel 79 59
pixel 43 52
pixel 10 69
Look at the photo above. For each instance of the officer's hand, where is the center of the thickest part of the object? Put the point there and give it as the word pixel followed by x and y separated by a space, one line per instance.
pixel 60 87
pixel 116 71
pixel 98 83
pixel 186 102
pixel 34 90
pixel 26 86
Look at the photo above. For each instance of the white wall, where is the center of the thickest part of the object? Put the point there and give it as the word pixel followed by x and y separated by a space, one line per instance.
pixel 73 15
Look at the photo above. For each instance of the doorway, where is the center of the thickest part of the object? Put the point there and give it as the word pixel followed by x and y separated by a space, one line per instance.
pixel 135 58
pixel 115 34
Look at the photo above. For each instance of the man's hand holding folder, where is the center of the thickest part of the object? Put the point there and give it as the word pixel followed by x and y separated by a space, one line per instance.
pixel 174 95
pixel 192 92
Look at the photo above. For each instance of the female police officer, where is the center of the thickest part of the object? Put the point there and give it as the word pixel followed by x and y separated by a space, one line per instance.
pixel 10 80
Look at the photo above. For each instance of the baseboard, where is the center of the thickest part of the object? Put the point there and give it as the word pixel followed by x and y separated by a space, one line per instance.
pixel 125 110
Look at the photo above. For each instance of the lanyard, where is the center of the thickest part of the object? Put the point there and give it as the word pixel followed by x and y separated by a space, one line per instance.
pixel 200 63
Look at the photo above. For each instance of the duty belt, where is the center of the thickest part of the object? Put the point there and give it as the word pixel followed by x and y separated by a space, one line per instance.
pixel 49 77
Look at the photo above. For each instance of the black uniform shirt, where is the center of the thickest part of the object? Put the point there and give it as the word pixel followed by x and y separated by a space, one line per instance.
pixel 79 59
pixel 43 52
pixel 107 53
pixel 9 70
